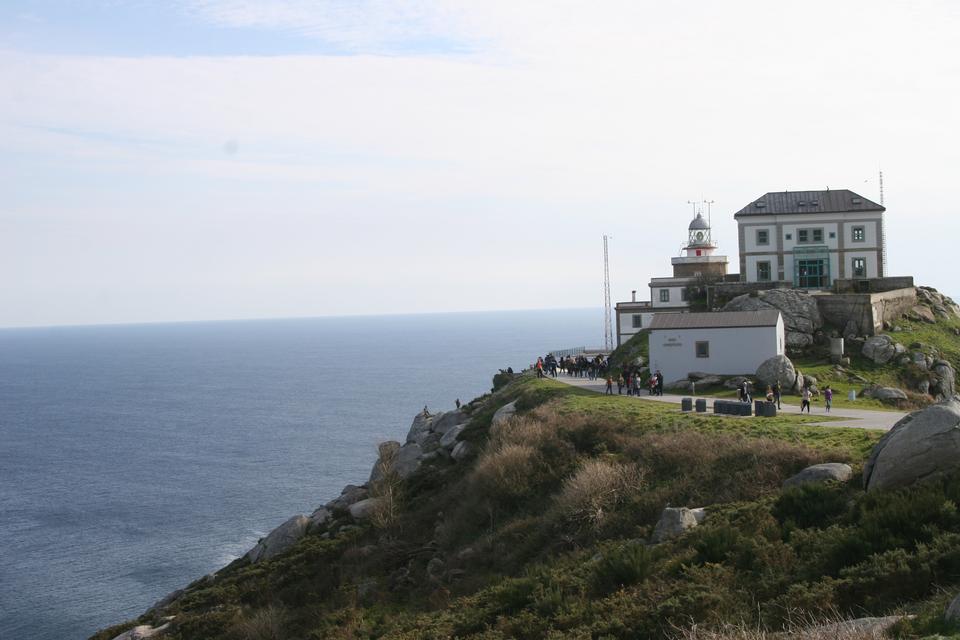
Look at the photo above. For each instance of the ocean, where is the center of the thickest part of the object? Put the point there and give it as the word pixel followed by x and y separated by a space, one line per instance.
pixel 137 458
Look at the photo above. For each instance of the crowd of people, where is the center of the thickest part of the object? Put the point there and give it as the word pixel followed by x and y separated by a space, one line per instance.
pixel 628 379
pixel 633 379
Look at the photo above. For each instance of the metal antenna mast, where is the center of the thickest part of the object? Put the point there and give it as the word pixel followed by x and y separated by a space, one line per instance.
pixel 607 312
pixel 883 234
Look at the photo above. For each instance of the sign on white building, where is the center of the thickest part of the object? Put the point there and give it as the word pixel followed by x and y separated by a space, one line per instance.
pixel 723 343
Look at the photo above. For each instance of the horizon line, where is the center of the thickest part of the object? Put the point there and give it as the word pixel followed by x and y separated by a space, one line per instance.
pixel 269 318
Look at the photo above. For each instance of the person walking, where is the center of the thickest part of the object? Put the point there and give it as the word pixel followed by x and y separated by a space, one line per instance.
pixel 636 384
pixel 805 400
pixel 620 385
pixel 776 393
pixel 659 383
pixel 609 391
pixel 828 398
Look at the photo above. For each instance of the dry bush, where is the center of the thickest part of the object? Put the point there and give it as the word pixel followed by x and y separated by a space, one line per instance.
pixel 595 490
pixel 507 471
pixel 710 468
pixel 262 624
pixel 386 489
pixel 835 629
pixel 528 431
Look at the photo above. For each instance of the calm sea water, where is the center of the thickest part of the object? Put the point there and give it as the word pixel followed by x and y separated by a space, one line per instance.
pixel 134 459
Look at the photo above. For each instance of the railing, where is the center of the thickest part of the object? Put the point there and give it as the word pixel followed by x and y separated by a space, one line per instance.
pixel 577 351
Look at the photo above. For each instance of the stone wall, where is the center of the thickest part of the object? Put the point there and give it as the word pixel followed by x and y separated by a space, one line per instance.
pixel 723 292
pixel 864 314
pixel 872 285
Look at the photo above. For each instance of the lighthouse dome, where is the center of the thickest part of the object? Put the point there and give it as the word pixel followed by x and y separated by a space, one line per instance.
pixel 698 224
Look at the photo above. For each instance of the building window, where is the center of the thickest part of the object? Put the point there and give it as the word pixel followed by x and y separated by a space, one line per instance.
pixel 809 235
pixel 637 321
pixel 664 295
pixel 859 234
pixel 683 295
pixel 763 272
pixel 703 349
pixel 789 236
pixel 833 234
pixel 803 235
pixel 763 236
pixel 859 267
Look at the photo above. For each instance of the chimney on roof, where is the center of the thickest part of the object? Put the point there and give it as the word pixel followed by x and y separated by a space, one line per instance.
pixel 633 296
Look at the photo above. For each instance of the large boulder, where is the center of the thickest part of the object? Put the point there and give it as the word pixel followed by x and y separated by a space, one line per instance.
pixel 801 316
pixel 462 451
pixel 365 508
pixel 504 413
pixel 881 349
pixel 952 613
pixel 445 420
pixel 421 427
pixel 280 539
pixel 449 439
pixel 674 521
pixel 944 380
pixel 890 395
pixel 350 494
pixel 819 473
pixel 408 460
pixel 778 369
pixel 142 632
pixel 924 444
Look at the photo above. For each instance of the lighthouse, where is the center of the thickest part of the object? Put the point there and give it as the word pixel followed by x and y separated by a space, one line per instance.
pixel 698 260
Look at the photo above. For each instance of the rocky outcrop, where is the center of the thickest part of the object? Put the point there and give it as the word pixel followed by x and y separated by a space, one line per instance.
pixel 924 444
pixel 364 509
pixel 801 316
pixel 941 306
pixel 142 632
pixel 350 494
pixel 780 369
pixel 504 413
pixel 881 349
pixel 819 473
pixel 674 521
pixel 952 614
pixel 890 395
pixel 943 380
pixel 280 539
pixel 462 451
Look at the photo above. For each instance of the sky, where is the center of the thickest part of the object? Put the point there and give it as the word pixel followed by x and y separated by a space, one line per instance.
pixel 218 159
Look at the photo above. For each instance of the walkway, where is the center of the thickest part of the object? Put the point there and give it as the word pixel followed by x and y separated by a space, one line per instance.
pixel 859 418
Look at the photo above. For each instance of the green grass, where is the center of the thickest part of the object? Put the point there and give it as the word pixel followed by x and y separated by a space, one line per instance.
pixel 647 415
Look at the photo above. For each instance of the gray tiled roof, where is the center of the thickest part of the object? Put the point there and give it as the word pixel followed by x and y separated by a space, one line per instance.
pixel 715 320
pixel 832 201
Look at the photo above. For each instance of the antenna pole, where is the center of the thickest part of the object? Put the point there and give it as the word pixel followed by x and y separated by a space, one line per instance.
pixel 883 233
pixel 607 316
pixel 709 218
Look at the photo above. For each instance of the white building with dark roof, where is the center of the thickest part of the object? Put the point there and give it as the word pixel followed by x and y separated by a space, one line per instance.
pixel 809 239
pixel 722 343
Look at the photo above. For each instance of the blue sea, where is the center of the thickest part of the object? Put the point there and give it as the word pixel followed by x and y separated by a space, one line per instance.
pixel 135 459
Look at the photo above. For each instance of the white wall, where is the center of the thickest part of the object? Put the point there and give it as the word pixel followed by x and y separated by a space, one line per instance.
pixel 733 351
pixel 750 237
pixel 626 324
pixel 675 295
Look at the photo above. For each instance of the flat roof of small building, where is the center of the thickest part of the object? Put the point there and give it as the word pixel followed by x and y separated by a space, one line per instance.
pixel 715 320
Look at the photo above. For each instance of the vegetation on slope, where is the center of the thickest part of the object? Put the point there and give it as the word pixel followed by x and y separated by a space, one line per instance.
pixel 543 536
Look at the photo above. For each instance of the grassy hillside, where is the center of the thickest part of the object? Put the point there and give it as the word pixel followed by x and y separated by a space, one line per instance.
pixel 542 535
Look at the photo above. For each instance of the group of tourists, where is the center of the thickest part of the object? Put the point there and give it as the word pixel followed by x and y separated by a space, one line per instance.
pixel 579 367
pixel 633 381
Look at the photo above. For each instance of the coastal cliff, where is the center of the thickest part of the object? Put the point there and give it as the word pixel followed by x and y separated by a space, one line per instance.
pixel 541 510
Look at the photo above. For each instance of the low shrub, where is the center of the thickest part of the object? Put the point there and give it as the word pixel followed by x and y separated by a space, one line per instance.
pixel 810 505
pixel 595 490
pixel 621 566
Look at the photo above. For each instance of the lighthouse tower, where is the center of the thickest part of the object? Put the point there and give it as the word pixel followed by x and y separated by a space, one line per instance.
pixel 699 260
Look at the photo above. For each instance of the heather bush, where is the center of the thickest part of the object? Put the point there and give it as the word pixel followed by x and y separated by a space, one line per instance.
pixel 595 490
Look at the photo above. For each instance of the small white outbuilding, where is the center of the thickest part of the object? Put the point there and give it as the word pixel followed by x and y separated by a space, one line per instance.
pixel 722 343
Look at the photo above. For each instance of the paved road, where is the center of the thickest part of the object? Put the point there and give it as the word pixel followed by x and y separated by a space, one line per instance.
pixel 859 418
